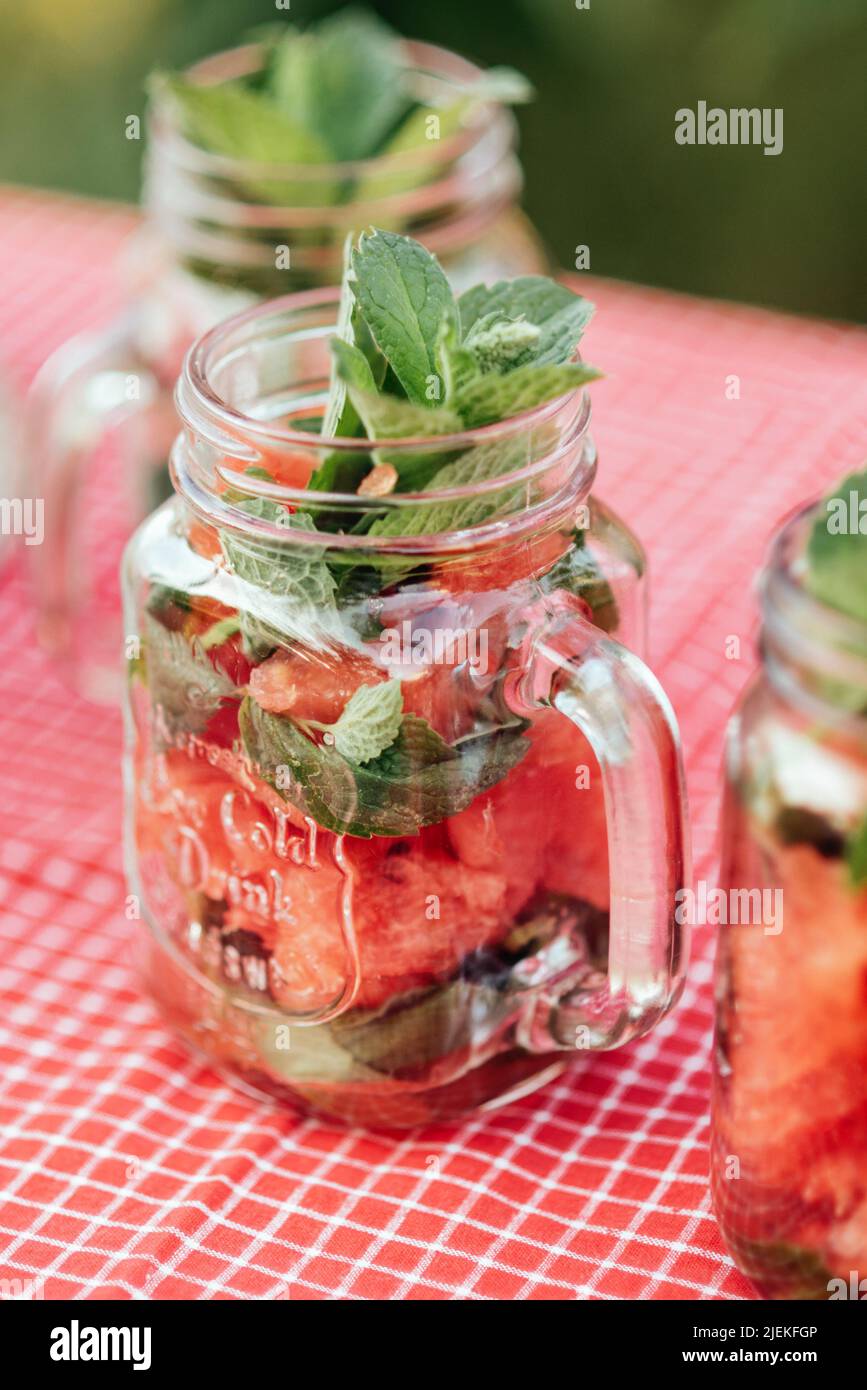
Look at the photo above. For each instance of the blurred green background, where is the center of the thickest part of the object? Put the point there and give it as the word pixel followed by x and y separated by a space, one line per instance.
pixel 602 164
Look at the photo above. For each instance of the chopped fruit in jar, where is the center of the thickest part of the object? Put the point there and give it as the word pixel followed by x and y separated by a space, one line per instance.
pixel 289 470
pixel 502 566
pixel 439 695
pixel 416 909
pixel 792 1104
pixel 232 660
pixel 800 994
pixel 544 825
pixel 205 540
pixel 380 481
pixel 312 685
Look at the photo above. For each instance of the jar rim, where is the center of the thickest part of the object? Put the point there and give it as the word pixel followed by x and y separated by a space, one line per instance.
pixel 195 393
pixel 781 581
pixel 801 632
pixel 241 438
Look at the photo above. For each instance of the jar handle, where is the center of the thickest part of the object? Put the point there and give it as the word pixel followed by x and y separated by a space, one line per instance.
pixel 620 707
pixel 92 386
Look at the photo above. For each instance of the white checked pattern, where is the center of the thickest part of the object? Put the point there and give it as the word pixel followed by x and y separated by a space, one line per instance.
pixel 127 1169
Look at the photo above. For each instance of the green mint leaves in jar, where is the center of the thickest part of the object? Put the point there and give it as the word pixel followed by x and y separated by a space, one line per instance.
pixel 377 770
pixel 337 93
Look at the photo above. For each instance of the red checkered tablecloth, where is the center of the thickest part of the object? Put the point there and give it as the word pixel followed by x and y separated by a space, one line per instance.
pixel 129 1170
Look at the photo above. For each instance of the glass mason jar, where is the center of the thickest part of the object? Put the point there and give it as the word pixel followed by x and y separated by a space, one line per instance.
pixel 101 415
pixel 440 928
pixel 789 1147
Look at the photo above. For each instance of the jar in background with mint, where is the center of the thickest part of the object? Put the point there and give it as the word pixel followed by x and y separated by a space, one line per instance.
pixel 259 163
pixel 789 1149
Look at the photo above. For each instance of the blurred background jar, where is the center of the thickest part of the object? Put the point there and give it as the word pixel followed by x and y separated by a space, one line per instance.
pixel 789 1150
pixel 101 414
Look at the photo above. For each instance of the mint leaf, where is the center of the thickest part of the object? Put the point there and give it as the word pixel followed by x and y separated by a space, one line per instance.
pixel 287 590
pixel 488 399
pixel 228 120
pixel 355 359
pixel 781 1270
pixel 499 344
pixel 404 296
pixel 338 421
pixel 297 572
pixel 355 386
pixel 352 367
pixel 339 472
pixel 390 417
pixel 188 688
pixel 837 549
pixel 432 124
pixel 425 125
pixel 344 81
pixel 316 780
pixel 419 1028
pixel 456 364
pixel 484 462
pixel 370 722
pixel 856 855
pixel 419 780
pixel 560 315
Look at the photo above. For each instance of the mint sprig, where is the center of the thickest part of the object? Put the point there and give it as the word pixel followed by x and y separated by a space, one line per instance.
pixel 489 356
pixel 450 365
pixel 418 780
pixel 370 723
pixel 342 81
pixel 338 92
pixel 560 315
pixel 404 296
pixel 231 121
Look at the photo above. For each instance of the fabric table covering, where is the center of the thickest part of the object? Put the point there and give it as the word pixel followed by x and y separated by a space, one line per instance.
pixel 130 1170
